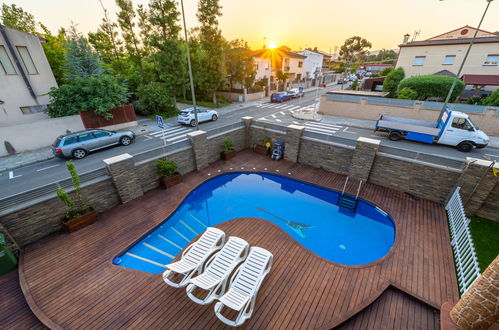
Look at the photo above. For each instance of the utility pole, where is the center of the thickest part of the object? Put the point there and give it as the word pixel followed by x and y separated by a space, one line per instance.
pixel 462 63
pixel 190 68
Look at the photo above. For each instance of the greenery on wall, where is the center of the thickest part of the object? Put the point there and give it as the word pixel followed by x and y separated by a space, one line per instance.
pixel 432 86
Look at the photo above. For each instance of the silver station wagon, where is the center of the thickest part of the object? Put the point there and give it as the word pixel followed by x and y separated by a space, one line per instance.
pixel 79 144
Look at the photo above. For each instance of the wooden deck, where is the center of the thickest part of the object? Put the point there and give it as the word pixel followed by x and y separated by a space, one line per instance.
pixel 70 282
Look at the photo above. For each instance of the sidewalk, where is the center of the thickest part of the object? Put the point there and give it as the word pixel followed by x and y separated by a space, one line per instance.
pixel 145 126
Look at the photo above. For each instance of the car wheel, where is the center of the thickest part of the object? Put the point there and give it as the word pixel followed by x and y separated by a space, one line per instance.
pixel 464 147
pixel 125 140
pixel 193 123
pixel 79 153
pixel 395 136
pixel 214 117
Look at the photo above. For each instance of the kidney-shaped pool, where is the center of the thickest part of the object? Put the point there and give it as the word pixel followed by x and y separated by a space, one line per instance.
pixel 308 213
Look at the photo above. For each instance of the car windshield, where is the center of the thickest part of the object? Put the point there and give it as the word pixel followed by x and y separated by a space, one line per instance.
pixel 473 124
pixel 185 112
pixel 56 142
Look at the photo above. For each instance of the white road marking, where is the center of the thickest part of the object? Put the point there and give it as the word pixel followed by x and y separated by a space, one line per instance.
pixel 12 176
pixel 296 123
pixel 294 107
pixel 322 125
pixel 278 120
pixel 274 116
pixel 320 130
pixel 282 113
pixel 46 168
pixel 345 130
pixel 263 118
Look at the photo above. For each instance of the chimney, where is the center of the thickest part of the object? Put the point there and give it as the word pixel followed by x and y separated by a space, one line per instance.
pixel 406 38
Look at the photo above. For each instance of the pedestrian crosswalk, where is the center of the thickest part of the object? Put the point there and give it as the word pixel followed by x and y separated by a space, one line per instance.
pixel 282 110
pixel 171 134
pixel 321 128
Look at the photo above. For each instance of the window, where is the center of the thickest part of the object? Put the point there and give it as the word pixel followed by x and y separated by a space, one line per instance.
pixel 85 137
pixel 70 140
pixel 300 64
pixel 100 134
pixel 27 60
pixel 33 109
pixel 449 59
pixel 461 123
pixel 5 62
pixel 491 59
pixel 419 60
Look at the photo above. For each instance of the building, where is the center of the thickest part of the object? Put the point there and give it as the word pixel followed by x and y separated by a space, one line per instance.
pixel 25 77
pixel 444 54
pixel 312 65
pixel 375 68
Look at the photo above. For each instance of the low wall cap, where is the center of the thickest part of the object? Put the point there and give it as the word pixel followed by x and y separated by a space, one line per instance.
pixel 298 127
pixel 480 162
pixel 117 159
pixel 368 140
pixel 196 133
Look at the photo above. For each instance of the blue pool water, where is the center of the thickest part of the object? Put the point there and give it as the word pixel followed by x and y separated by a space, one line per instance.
pixel 308 213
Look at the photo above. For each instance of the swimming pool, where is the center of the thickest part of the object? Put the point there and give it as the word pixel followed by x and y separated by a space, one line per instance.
pixel 308 213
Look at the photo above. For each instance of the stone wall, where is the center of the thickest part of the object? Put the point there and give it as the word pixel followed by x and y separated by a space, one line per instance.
pixel 490 208
pixel 39 220
pixel 331 157
pixel 214 144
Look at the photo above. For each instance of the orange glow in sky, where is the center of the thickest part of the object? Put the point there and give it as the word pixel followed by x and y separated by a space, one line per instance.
pixel 298 24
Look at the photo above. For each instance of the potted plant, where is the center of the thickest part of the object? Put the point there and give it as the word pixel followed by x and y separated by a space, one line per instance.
pixel 168 172
pixel 263 147
pixel 228 151
pixel 80 214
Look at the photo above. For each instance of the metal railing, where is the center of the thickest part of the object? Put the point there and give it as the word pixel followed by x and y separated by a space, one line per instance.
pixel 423 157
pixel 467 266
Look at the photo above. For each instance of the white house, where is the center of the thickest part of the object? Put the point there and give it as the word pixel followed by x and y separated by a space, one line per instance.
pixel 312 65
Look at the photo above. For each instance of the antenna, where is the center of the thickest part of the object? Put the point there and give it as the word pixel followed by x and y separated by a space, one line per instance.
pixel 416 34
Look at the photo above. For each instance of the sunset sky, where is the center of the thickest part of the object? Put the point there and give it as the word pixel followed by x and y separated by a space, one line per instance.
pixel 299 23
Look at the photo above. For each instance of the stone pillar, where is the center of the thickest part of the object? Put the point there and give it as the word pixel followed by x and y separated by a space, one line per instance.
pixel 199 142
pixel 247 131
pixel 476 182
pixel 122 170
pixel 478 308
pixel 363 158
pixel 292 142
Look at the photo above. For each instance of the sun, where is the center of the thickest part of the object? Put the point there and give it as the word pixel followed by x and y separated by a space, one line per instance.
pixel 272 45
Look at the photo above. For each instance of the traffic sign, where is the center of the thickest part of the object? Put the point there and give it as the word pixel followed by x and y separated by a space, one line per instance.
pixel 159 120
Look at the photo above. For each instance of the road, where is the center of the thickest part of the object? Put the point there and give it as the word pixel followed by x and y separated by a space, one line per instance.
pixel 45 172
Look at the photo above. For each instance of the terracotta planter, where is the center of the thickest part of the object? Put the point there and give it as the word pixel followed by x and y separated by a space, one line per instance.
pixel 80 222
pixel 228 155
pixel 171 181
pixel 262 150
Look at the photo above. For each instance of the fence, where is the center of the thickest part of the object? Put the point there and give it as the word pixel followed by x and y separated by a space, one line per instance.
pixel 121 114
pixel 466 262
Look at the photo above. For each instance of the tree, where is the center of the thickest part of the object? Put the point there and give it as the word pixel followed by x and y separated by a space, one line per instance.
pixel 355 84
pixel 354 49
pixel 386 71
pixel 407 93
pixel 164 38
pixel 392 80
pixel 282 77
pixel 239 64
pixel 16 18
pixel 106 42
pixel 154 98
pixel 126 22
pixel 97 94
pixel 210 74
pixel 80 60
pixel 432 86
pixel 55 51
pixel 492 99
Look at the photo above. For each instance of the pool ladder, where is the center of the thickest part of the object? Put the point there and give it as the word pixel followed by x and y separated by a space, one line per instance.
pixel 348 201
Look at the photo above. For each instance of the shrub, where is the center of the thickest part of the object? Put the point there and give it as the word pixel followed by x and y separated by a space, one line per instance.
pixel 407 94
pixel 392 80
pixel 97 94
pixel 386 71
pixel 166 168
pixel 228 145
pixel 492 99
pixel 355 84
pixel 78 206
pixel 432 86
pixel 154 98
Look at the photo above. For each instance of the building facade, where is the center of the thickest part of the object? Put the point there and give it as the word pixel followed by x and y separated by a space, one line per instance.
pixel 443 54
pixel 25 77
pixel 312 65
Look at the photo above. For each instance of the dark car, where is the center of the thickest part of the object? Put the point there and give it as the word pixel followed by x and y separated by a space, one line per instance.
pixel 78 144
pixel 280 97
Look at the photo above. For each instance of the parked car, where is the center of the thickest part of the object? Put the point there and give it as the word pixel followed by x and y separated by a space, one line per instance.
pixel 79 144
pixel 296 92
pixel 186 116
pixel 280 97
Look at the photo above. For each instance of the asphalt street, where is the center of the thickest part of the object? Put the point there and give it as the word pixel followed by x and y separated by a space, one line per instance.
pixel 50 171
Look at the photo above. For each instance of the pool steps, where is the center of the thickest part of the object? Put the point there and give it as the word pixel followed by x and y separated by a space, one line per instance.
pixel 162 247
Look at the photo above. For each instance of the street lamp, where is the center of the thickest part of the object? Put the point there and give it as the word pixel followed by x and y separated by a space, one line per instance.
pixel 462 63
pixel 190 68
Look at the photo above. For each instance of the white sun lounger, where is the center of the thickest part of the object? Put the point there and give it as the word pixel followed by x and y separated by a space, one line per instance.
pixel 244 286
pixel 218 268
pixel 194 257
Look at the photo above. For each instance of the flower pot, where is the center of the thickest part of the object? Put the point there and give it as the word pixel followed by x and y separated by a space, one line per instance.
pixel 171 181
pixel 80 222
pixel 262 150
pixel 228 155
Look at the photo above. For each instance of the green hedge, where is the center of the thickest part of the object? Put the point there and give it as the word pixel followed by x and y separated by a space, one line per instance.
pixel 432 86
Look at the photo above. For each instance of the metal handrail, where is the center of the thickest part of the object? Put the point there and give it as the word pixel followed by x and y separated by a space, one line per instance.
pixel 358 189
pixel 344 186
